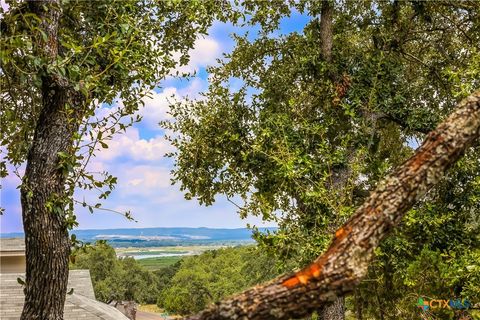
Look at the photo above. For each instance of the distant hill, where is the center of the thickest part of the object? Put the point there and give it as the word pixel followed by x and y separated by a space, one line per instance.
pixel 158 237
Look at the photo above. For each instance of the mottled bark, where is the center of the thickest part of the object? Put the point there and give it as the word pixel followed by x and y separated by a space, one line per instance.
pixel 343 265
pixel 46 237
pixel 326 29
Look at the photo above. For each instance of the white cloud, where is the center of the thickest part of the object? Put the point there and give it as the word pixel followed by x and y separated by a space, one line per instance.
pixel 130 145
pixel 205 52
pixel 156 108
pixel 145 176
pixel 157 105
pixel 5 6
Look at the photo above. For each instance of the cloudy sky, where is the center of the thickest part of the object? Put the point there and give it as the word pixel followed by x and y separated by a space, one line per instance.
pixel 137 159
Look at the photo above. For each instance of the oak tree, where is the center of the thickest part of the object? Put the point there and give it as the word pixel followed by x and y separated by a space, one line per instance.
pixel 61 61
pixel 323 114
pixel 345 262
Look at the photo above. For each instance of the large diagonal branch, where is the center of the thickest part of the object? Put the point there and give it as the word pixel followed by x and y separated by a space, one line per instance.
pixel 343 265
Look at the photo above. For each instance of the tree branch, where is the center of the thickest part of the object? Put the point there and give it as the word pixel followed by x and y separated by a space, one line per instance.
pixel 403 123
pixel 342 266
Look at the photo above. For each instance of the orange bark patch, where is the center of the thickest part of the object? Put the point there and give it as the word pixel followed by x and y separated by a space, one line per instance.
pixel 315 269
pixel 423 156
pixel 341 88
pixel 342 232
pixel 292 282
pixel 303 278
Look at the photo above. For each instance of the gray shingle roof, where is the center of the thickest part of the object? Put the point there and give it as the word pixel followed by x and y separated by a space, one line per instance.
pixel 12 244
pixel 81 305
pixel 81 283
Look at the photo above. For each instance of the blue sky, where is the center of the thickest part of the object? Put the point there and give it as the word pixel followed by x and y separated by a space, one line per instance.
pixel 137 159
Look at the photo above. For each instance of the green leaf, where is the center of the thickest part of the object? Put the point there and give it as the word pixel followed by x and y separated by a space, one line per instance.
pixel 21 281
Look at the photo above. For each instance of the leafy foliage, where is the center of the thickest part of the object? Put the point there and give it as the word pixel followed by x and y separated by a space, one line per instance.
pixel 301 140
pixel 214 275
pixel 114 52
pixel 434 253
pixel 114 278
pixel 184 287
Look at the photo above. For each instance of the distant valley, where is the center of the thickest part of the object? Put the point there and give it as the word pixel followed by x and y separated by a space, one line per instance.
pixel 163 237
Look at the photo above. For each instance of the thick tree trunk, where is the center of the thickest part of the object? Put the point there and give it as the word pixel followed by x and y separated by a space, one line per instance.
pixel 342 266
pixel 46 237
pixel 43 188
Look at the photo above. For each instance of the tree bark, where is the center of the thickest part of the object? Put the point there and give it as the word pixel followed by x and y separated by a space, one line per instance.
pixel 43 187
pixel 343 265
pixel 326 30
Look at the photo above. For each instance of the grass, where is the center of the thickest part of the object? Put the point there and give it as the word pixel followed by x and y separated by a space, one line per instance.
pixel 147 252
pixel 159 262
pixel 168 249
pixel 152 308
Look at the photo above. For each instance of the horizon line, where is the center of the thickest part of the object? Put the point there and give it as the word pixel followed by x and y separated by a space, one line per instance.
pixel 214 228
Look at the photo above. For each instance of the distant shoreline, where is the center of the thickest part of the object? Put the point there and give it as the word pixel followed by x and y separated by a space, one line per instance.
pixel 163 236
pixel 146 228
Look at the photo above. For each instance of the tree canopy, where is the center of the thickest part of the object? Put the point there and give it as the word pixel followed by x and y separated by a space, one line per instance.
pixel 302 138
pixel 116 279
pixel 318 117
pixel 215 275
pixel 61 62
pixel 108 53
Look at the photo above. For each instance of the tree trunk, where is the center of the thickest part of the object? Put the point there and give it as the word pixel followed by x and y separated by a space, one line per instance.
pixel 336 309
pixel 43 187
pixel 326 30
pixel 342 266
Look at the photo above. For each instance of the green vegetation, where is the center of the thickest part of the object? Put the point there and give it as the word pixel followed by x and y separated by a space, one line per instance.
pixel 175 284
pixel 113 278
pixel 315 120
pixel 308 131
pixel 213 275
pixel 159 262
pixel 184 248
pixel 62 62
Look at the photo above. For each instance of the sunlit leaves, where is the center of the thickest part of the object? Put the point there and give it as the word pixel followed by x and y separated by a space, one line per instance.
pixel 279 128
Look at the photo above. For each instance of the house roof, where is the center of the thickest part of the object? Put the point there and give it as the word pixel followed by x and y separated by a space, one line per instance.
pixel 81 305
pixel 12 246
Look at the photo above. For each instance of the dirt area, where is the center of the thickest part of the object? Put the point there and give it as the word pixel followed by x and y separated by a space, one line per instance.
pixel 150 316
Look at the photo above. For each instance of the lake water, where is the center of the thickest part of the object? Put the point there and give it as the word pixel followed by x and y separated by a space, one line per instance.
pixel 158 255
